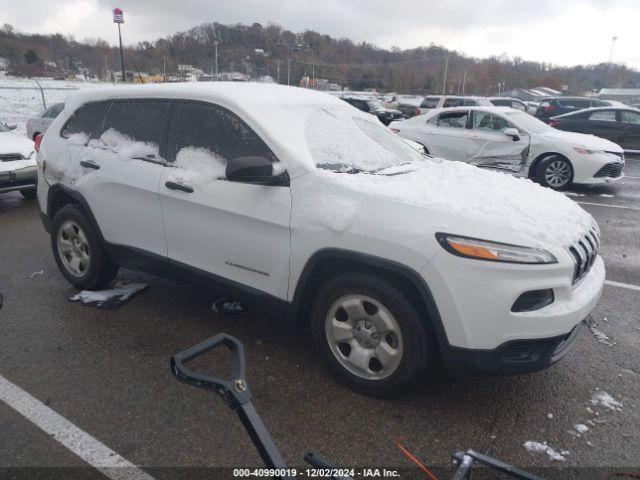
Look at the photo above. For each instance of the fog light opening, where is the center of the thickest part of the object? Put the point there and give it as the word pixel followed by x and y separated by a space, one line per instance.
pixel 533 300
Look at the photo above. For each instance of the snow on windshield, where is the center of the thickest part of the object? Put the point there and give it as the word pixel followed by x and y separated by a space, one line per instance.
pixel 340 141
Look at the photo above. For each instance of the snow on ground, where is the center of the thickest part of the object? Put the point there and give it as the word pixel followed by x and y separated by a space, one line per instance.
pixel 538 447
pixel 21 98
pixel 604 399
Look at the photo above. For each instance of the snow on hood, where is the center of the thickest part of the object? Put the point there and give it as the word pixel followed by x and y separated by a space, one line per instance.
pixel 12 143
pixel 590 142
pixel 542 216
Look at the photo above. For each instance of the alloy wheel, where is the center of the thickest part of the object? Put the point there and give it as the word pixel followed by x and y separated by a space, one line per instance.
pixel 364 336
pixel 73 249
pixel 557 174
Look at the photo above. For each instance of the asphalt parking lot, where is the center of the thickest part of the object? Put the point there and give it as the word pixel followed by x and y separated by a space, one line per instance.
pixel 106 372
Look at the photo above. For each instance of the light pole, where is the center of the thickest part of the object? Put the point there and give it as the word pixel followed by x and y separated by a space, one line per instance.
pixel 444 77
pixel 118 17
pixel 215 45
pixel 613 43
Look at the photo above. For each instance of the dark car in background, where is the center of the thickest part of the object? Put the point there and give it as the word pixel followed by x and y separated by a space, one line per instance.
pixel 408 110
pixel 375 107
pixel 618 124
pixel 554 106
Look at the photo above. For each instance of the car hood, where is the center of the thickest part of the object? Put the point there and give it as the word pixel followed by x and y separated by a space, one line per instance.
pixel 590 142
pixel 12 143
pixel 462 199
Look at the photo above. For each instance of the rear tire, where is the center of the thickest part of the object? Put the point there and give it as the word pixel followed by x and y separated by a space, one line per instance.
pixel 29 194
pixel 554 172
pixel 370 334
pixel 78 252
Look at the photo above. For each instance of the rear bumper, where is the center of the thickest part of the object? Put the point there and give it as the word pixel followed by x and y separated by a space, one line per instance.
pixel 513 357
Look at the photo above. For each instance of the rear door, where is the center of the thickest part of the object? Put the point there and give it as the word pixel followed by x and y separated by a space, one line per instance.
pixel 238 232
pixel 630 121
pixel 489 147
pixel 119 170
pixel 447 135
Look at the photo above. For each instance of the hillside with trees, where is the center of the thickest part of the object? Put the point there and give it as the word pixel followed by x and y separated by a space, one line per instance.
pixel 259 50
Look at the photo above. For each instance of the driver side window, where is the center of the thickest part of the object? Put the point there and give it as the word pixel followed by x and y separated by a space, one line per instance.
pixel 489 122
pixel 207 137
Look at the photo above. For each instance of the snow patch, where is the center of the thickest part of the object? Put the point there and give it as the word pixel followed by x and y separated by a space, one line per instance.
pixel 197 166
pixel 604 399
pixel 581 428
pixel 538 447
pixel 229 307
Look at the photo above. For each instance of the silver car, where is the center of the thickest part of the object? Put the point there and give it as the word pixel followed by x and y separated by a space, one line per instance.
pixel 41 122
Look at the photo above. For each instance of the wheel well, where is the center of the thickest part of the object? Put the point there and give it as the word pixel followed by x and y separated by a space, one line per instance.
pixel 58 200
pixel 327 266
pixel 539 158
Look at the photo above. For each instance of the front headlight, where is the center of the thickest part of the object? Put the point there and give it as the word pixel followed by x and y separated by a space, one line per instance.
pixel 493 251
pixel 586 151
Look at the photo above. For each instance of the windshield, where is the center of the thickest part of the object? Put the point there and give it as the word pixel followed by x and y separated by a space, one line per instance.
pixel 342 142
pixel 527 122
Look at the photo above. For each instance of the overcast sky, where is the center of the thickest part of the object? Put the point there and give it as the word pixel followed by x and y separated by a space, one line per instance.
pixel 565 32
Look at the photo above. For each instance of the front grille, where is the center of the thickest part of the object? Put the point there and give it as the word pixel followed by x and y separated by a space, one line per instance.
pixel 10 157
pixel 611 170
pixel 584 253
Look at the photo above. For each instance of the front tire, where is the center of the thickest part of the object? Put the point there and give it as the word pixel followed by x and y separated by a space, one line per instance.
pixel 78 252
pixel 370 334
pixel 554 172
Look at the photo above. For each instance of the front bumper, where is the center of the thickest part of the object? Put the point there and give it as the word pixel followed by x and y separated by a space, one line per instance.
pixel 598 168
pixel 24 178
pixel 514 357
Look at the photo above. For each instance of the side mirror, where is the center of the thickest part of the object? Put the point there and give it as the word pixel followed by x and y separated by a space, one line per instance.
pixel 256 170
pixel 513 133
pixel 11 126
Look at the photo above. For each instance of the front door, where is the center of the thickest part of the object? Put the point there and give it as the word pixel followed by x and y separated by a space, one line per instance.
pixel 238 232
pixel 489 147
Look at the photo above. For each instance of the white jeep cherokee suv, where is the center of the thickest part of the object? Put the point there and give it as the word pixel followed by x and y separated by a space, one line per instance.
pixel 393 259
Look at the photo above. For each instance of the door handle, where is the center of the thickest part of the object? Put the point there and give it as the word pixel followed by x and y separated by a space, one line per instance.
pixel 89 164
pixel 179 186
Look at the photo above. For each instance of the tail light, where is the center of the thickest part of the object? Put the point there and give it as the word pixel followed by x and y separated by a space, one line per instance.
pixel 553 123
pixel 38 141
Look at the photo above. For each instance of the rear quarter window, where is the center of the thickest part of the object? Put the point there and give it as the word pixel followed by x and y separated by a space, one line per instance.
pixel 87 119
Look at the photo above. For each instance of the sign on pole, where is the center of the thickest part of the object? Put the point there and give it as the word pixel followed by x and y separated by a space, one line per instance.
pixel 118 15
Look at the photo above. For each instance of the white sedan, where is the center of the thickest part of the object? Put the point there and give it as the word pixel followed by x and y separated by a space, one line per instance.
pixel 513 141
pixel 17 163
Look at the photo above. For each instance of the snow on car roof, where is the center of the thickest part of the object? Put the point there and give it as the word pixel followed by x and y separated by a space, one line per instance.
pixel 276 112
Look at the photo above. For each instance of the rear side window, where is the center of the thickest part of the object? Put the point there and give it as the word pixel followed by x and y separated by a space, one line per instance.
pixel 469 102
pixel 212 133
pixel 430 102
pixel 574 103
pixel 140 120
pixel 53 111
pixel 603 116
pixel 630 117
pixel 453 102
pixel 86 120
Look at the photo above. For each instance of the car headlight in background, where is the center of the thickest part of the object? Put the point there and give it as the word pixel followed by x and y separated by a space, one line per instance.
pixel 493 251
